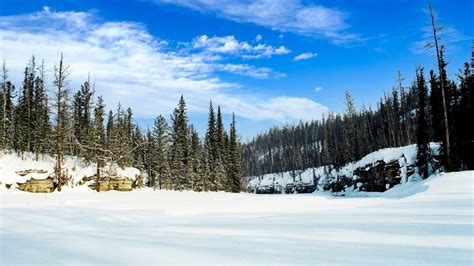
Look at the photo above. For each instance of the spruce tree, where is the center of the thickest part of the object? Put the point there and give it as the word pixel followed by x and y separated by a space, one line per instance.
pixel 22 115
pixel 234 173
pixel 138 148
pixel 211 149
pixel 41 119
pixel 98 139
pixel 422 141
pixel 465 131
pixel 160 165
pixel 7 109
pixel 220 153
pixel 180 147
pixel 195 161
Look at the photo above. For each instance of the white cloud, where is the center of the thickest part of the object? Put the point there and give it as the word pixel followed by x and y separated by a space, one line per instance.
pixel 129 65
pixel 293 108
pixel 230 45
pixel 295 16
pixel 258 38
pixel 318 89
pixel 304 56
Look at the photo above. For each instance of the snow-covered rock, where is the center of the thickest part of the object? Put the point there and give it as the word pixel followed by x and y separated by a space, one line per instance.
pixel 377 171
pixel 19 169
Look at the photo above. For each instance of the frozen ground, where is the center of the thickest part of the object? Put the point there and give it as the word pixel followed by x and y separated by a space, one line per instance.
pixel 425 223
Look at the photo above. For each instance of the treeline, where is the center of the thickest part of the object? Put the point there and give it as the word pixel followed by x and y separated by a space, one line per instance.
pixel 173 155
pixel 405 116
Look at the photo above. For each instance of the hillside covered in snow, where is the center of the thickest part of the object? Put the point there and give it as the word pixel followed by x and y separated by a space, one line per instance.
pixel 376 172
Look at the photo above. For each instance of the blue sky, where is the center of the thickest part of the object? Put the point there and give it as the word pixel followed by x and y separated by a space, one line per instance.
pixel 270 62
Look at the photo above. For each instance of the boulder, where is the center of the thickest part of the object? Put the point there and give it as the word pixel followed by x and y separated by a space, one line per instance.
pixel 264 189
pixel 107 184
pixel 38 185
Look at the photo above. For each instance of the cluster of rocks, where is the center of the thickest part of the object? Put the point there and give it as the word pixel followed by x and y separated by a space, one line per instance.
pixel 291 188
pixel 48 185
pixel 374 177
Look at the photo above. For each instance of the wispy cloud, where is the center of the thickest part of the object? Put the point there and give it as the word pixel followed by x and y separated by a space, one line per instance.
pixel 295 16
pixel 130 65
pixel 304 56
pixel 318 89
pixel 230 45
pixel 449 36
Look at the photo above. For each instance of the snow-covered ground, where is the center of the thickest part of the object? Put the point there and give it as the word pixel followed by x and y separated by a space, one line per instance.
pixel 423 223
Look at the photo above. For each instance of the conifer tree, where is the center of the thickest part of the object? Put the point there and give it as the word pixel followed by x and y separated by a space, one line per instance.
pixel 41 119
pixel 23 112
pixel 98 139
pixel 110 130
pixel 195 161
pixel 82 116
pixel 234 173
pixel 138 148
pixel 7 110
pixel 180 148
pixel 160 165
pixel 465 129
pixel 211 149
pixel 422 141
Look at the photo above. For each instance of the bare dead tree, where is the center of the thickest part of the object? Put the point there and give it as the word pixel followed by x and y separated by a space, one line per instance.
pixel 61 73
pixel 436 39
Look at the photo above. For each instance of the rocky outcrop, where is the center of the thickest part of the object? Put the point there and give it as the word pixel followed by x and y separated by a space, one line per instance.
pixel 380 176
pixel 375 172
pixel 107 184
pixel 38 185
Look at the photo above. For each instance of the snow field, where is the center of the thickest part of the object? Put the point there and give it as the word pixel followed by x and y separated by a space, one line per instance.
pixel 422 223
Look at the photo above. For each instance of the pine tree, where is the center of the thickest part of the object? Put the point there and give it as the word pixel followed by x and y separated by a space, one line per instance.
pixel 234 173
pixel 82 120
pixel 41 112
pixel 137 148
pixel 7 110
pixel 423 149
pixel 195 161
pixel 180 148
pixel 465 130
pixel 220 153
pixel 160 165
pixel 98 139
pixel 23 112
pixel 109 129
pixel 211 149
